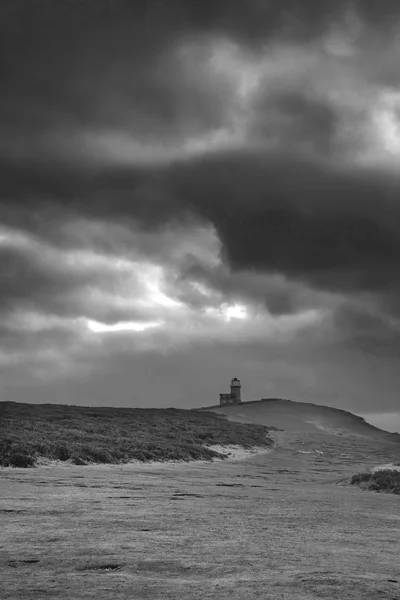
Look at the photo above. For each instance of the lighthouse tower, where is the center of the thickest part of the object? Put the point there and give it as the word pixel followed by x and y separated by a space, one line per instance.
pixel 236 389
pixel 234 397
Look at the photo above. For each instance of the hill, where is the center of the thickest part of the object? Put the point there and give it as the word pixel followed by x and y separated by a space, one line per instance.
pixel 81 434
pixel 303 417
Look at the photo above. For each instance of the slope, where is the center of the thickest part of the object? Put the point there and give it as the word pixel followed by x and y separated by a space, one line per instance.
pixel 303 417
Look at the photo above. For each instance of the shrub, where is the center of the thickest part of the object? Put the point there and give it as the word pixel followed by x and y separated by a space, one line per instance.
pixel 360 478
pixel 62 453
pixel 17 459
pixel 387 481
pixel 78 461
pixel 99 455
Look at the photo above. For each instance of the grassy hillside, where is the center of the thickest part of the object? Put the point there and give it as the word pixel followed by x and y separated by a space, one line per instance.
pixel 112 435
pixel 304 417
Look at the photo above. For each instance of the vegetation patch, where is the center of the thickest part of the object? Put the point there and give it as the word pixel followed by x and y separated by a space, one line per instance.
pixel 105 567
pixel 81 434
pixel 387 481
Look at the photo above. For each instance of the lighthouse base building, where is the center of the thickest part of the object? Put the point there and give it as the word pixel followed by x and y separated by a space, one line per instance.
pixel 234 397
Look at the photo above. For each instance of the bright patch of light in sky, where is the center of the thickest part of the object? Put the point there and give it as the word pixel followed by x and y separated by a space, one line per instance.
pixel 235 311
pixel 386 121
pixel 227 312
pixel 390 129
pixel 122 326
pixel 152 279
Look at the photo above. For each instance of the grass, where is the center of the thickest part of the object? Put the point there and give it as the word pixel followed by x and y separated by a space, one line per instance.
pixel 82 435
pixel 387 481
pixel 184 531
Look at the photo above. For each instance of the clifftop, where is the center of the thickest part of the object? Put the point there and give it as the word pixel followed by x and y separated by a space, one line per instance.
pixel 302 417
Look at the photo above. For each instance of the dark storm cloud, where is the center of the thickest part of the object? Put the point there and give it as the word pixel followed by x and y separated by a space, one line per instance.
pixel 75 65
pixel 276 213
pixel 333 228
pixel 24 281
pixel 74 62
pixel 73 58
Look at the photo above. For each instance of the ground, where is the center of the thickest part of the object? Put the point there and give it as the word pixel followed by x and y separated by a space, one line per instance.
pixel 278 525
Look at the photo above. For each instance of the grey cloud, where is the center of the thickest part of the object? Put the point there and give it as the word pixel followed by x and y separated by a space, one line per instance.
pixel 330 227
pixel 50 280
pixel 365 326
pixel 295 120
pixel 30 343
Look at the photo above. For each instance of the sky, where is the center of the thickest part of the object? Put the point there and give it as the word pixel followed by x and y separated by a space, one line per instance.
pixel 192 191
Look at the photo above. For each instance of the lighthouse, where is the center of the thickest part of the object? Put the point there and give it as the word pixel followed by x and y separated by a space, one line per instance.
pixel 235 394
pixel 235 389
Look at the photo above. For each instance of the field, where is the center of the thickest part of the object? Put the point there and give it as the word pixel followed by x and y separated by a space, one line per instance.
pixel 282 524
